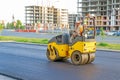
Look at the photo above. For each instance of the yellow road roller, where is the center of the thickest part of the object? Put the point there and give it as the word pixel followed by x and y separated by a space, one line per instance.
pixel 81 49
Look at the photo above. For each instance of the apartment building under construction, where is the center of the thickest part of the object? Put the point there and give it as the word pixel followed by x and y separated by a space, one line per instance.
pixel 49 16
pixel 106 12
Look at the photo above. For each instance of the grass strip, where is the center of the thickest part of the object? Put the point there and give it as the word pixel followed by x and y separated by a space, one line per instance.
pixel 108 46
pixel 45 41
pixel 22 39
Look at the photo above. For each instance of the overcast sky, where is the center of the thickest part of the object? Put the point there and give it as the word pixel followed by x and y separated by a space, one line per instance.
pixel 17 7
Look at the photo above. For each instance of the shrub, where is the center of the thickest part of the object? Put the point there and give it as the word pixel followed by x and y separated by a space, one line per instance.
pixel 103 44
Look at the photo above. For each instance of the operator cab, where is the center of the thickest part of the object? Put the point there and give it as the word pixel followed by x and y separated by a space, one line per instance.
pixel 61 39
pixel 90 31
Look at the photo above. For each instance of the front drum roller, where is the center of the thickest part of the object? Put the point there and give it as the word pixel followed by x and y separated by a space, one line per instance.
pixel 52 54
pixel 77 58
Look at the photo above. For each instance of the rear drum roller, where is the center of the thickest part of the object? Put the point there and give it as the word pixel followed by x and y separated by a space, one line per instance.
pixel 52 55
pixel 91 57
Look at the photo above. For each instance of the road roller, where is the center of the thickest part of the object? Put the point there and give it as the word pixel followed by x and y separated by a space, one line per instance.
pixel 79 50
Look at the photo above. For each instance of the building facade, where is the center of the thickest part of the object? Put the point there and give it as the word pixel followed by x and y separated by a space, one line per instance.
pixel 64 18
pixel 106 12
pixel 49 16
pixel 72 18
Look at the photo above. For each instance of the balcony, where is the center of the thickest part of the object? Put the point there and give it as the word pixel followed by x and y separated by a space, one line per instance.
pixel 93 5
pixel 93 10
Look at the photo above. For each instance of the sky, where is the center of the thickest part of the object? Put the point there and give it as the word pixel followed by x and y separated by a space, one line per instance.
pixel 17 7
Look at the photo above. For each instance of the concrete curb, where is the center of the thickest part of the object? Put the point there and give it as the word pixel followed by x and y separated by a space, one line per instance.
pixel 24 43
pixel 109 50
pixel 6 41
pixel 30 43
pixel 99 49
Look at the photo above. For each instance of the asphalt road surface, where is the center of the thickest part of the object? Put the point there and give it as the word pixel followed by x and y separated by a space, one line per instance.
pixel 28 62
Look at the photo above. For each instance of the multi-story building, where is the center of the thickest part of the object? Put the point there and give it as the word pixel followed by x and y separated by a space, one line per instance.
pixel 106 12
pixel 45 15
pixel 64 18
pixel 72 18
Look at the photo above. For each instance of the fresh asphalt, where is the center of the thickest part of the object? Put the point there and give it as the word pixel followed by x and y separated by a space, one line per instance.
pixel 28 62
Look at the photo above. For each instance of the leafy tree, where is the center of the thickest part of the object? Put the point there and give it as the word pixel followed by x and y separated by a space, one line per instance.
pixel 18 24
pixel 22 27
pixel 13 26
pixel 10 25
pixel 1 28
pixel 7 25
pixel 102 33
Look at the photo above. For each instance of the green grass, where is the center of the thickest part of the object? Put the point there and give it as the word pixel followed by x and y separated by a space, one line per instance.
pixel 103 44
pixel 45 41
pixel 108 46
pixel 22 39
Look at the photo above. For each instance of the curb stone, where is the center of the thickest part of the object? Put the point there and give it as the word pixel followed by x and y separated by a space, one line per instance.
pixel 24 43
pixel 100 49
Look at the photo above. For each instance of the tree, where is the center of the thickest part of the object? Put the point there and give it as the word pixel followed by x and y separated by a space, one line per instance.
pixel 22 27
pixel 18 24
pixel 10 25
pixel 15 25
pixel 102 33
pixel 7 25
pixel 1 28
